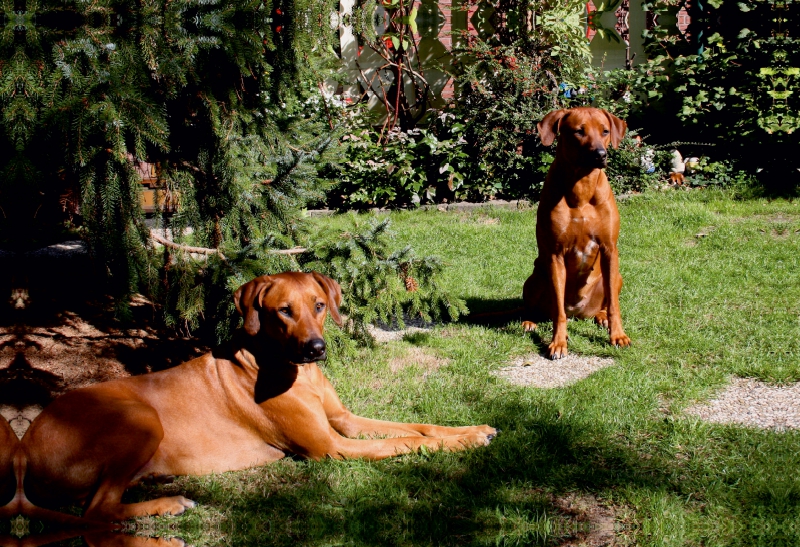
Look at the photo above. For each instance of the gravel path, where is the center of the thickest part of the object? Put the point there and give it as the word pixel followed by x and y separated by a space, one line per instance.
pixel 538 371
pixel 752 403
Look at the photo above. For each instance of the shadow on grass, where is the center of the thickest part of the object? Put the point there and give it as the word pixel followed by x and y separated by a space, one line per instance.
pixel 505 492
pixel 486 305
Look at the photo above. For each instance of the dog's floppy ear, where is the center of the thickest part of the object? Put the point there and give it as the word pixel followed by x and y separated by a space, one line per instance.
pixel 548 127
pixel 618 128
pixel 247 299
pixel 334 292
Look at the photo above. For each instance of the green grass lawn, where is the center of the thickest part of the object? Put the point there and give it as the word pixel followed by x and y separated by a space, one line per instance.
pixel 712 289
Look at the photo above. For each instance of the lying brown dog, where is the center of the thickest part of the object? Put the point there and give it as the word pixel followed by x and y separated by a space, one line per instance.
pixel 252 402
pixel 576 273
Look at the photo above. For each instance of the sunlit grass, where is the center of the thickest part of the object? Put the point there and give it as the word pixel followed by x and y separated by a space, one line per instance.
pixel 712 289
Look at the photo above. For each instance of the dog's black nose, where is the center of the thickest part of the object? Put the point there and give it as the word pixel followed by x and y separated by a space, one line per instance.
pixel 601 157
pixel 315 350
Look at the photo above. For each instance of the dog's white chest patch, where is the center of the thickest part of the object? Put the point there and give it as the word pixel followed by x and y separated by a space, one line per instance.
pixel 585 254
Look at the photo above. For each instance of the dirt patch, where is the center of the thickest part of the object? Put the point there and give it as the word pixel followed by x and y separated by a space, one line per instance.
pixel 390 333
pixel 479 217
pixel 538 371
pixel 419 357
pixel 751 403
pixel 39 363
pixel 81 351
pixel 594 523
pixel 702 233
pixel 778 226
pixel 783 231
pixel 58 331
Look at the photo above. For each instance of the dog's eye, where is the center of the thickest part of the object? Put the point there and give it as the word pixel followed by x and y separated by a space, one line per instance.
pixel 605 132
pixel 579 131
pixel 286 310
pixel 320 307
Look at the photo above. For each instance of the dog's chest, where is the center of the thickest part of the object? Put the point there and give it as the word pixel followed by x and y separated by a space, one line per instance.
pixel 579 240
pixel 582 257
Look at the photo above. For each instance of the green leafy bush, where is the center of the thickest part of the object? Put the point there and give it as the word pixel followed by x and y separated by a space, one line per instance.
pixel 483 144
pixel 732 85
pixel 401 167
pixel 636 166
pixel 721 174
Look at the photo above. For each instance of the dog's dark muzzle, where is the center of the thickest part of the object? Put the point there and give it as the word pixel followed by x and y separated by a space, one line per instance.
pixel 314 350
pixel 601 157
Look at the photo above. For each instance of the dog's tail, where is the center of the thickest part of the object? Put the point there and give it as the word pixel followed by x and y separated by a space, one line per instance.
pixel 21 505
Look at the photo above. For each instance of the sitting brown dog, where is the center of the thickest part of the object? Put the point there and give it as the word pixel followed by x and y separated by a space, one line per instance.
pixel 252 402
pixel 576 273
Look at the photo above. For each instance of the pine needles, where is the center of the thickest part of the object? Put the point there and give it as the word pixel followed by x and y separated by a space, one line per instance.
pixel 223 100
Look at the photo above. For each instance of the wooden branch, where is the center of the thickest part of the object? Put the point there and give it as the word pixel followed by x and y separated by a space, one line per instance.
pixel 292 251
pixel 207 251
pixel 188 249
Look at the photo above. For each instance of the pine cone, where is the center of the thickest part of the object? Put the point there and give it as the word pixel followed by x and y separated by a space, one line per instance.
pixel 411 284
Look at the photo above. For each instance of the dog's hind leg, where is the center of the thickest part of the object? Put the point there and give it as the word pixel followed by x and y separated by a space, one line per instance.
pixel 602 318
pixel 535 301
pixel 128 458
pixel 89 448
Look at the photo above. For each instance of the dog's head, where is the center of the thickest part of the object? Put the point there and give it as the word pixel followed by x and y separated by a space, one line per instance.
pixel 583 134
pixel 289 309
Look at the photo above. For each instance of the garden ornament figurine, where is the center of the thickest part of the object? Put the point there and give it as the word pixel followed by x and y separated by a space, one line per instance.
pixel 248 403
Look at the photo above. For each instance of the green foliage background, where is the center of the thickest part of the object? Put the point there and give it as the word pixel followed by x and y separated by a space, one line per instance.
pixel 732 85
pixel 484 144
pixel 223 98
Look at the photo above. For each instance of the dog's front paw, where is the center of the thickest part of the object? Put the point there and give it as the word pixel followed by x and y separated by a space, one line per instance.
pixel 557 350
pixel 176 505
pixel 488 431
pixel 528 326
pixel 620 341
pixel 472 440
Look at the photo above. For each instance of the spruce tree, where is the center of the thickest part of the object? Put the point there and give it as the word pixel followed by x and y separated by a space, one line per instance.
pixel 222 97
